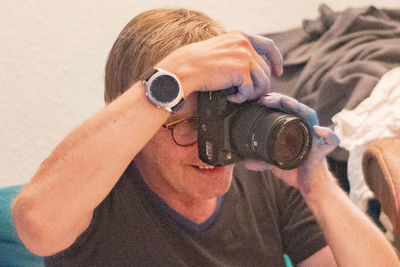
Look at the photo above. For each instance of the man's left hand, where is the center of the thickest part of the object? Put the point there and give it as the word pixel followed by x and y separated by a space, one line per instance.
pixel 324 141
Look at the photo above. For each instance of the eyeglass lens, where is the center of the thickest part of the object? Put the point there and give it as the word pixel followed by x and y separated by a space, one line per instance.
pixel 185 133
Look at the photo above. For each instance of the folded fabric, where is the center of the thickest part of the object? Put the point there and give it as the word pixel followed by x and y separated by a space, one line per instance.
pixel 378 116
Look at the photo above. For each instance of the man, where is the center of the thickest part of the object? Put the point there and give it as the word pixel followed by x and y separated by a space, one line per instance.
pixel 90 204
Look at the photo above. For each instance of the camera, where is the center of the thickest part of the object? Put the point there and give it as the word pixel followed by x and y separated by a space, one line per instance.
pixel 230 132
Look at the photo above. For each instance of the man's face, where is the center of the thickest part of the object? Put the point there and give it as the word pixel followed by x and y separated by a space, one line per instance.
pixel 174 171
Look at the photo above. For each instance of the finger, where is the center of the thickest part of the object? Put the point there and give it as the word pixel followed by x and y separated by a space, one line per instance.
pixel 252 90
pixel 241 96
pixel 256 165
pixel 267 47
pixel 301 110
pixel 291 105
pixel 329 137
pixel 263 62
pixel 255 83
pixel 267 62
pixel 271 100
pixel 261 81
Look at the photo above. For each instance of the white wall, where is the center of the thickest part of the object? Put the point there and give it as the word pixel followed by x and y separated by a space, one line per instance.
pixel 52 56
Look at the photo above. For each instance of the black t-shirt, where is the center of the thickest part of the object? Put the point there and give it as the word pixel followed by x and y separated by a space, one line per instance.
pixel 258 220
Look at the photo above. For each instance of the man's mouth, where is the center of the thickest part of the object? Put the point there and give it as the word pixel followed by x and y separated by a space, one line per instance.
pixel 207 167
pixel 204 167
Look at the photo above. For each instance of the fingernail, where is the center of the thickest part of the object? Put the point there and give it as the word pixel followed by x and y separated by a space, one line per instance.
pixel 280 71
pixel 268 99
pixel 316 128
pixel 236 98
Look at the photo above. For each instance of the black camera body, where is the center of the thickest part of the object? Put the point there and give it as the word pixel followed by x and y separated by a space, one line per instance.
pixel 230 132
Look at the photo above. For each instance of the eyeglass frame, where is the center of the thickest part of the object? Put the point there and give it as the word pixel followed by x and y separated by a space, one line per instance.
pixel 171 126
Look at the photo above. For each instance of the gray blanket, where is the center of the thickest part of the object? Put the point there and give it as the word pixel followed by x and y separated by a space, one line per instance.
pixel 335 61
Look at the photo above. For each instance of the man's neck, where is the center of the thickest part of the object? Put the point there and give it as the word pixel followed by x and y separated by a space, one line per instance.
pixel 195 209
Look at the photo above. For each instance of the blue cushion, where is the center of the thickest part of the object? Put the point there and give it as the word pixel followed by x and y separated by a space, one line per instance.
pixel 12 250
pixel 288 261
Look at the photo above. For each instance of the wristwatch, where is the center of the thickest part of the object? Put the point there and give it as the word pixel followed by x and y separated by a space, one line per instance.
pixel 164 90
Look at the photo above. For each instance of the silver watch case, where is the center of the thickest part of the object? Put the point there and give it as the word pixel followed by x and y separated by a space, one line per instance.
pixel 170 106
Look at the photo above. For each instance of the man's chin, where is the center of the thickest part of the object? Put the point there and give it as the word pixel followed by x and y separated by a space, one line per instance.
pixel 215 186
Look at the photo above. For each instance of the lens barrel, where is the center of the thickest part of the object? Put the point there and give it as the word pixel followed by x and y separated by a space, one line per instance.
pixel 261 133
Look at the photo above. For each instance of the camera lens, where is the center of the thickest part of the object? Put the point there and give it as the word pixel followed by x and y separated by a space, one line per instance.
pixel 270 135
pixel 290 142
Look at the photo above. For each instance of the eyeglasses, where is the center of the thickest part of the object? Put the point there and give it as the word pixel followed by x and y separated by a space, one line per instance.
pixel 183 131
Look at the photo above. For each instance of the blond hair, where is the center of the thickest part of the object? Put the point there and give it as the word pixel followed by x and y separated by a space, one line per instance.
pixel 147 39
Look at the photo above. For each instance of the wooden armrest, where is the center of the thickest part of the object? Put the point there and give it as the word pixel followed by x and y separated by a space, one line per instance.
pixel 381 168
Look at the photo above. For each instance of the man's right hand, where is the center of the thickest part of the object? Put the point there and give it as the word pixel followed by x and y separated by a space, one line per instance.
pixel 233 59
